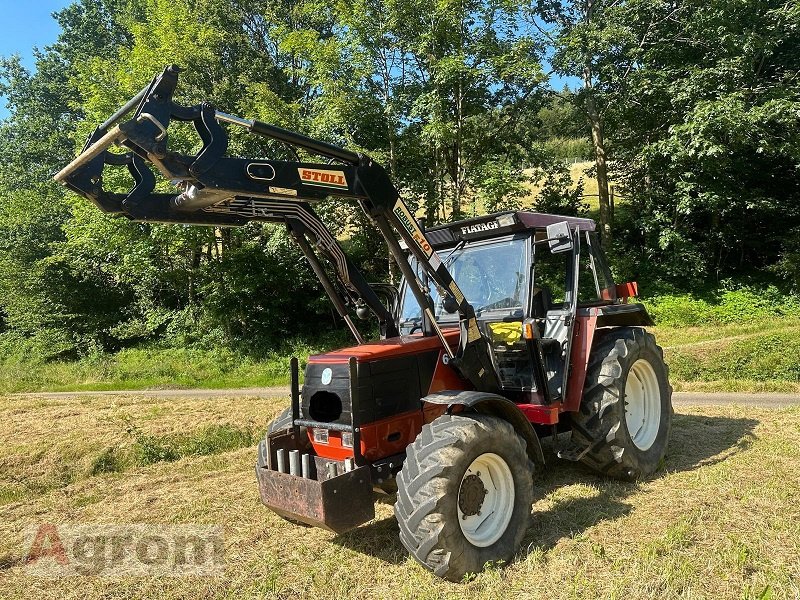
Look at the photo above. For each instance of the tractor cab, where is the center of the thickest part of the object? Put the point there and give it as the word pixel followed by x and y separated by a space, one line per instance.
pixel 526 285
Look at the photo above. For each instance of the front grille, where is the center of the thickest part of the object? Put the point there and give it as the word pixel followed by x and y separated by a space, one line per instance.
pixel 386 388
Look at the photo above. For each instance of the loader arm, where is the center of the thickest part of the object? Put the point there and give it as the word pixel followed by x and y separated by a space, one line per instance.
pixel 216 189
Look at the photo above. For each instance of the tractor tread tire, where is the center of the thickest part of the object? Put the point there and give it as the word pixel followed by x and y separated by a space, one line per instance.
pixel 280 423
pixel 600 422
pixel 428 486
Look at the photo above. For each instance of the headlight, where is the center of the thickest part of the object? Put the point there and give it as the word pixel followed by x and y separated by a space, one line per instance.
pixel 321 436
pixel 347 439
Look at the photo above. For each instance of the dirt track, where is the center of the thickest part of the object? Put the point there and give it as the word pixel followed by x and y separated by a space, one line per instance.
pixel 678 398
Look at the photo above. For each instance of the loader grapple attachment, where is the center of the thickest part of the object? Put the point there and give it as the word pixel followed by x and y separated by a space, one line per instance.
pixel 215 188
pixel 337 504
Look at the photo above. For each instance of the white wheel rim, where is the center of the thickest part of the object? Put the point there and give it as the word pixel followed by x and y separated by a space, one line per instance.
pixel 494 509
pixel 642 404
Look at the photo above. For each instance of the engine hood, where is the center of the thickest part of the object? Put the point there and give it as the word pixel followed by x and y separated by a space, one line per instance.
pixel 403 345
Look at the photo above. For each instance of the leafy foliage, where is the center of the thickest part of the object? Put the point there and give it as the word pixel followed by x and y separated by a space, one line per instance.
pixel 705 103
pixel 699 103
pixel 726 306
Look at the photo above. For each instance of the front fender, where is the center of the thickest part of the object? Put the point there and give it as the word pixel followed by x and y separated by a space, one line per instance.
pixel 498 406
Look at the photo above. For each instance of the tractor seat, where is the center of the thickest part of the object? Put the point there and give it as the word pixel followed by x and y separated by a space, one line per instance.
pixel 542 301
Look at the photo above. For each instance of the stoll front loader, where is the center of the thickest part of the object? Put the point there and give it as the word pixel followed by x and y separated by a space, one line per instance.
pixel 506 328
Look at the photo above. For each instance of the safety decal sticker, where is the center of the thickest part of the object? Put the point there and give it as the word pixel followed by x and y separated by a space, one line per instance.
pixel 456 292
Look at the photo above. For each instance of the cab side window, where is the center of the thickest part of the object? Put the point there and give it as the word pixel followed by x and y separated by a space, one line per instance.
pixel 595 284
pixel 588 292
pixel 549 279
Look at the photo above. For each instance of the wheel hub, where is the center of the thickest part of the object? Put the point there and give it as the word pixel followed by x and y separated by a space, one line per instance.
pixel 642 404
pixel 485 500
pixel 471 495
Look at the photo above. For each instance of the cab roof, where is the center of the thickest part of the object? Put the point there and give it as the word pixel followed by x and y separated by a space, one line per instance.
pixel 497 224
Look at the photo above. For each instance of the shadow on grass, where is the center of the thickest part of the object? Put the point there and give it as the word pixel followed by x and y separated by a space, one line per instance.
pixel 696 441
pixel 7 561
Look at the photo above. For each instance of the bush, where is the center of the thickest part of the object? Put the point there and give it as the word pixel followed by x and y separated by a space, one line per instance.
pixel 770 357
pixel 733 305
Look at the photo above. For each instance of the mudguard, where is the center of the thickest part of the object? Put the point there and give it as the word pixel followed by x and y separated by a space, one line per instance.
pixel 492 404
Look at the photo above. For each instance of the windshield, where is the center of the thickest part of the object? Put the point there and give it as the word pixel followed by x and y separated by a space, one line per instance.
pixel 493 277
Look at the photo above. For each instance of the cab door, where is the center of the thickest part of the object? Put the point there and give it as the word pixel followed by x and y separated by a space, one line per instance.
pixel 554 300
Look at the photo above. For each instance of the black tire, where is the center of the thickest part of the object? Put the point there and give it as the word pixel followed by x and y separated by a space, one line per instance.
pixel 280 423
pixel 601 423
pixel 283 422
pixel 429 486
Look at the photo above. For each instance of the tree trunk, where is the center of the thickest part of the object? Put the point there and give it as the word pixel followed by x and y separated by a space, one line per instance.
pixel 392 166
pixel 458 174
pixel 596 124
pixel 197 254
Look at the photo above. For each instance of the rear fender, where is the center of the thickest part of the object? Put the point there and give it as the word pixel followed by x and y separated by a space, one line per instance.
pixel 623 315
pixel 498 406
pixel 591 322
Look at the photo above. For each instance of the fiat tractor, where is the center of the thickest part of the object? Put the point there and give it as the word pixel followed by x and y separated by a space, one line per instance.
pixel 506 328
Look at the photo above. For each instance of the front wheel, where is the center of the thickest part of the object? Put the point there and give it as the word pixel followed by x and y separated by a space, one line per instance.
pixel 626 413
pixel 464 494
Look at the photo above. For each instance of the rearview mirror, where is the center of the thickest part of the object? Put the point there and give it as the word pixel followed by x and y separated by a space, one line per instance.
pixel 559 237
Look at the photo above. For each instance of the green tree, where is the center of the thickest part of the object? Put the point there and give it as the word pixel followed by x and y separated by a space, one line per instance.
pixel 704 104
pixel 42 294
pixel 583 39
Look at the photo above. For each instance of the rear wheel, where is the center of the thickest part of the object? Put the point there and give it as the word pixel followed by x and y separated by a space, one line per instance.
pixel 626 412
pixel 464 494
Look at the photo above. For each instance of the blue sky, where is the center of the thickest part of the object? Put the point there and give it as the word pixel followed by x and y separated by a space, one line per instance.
pixel 28 24
pixel 24 25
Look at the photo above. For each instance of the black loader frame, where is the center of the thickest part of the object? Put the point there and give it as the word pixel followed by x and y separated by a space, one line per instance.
pixel 219 190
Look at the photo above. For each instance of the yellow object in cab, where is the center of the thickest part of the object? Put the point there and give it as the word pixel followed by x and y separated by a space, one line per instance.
pixel 508 333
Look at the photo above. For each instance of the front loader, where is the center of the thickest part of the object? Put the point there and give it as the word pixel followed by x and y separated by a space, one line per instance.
pixel 505 329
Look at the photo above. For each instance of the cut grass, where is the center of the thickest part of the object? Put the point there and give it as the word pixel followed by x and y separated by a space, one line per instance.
pixel 46 446
pixel 721 520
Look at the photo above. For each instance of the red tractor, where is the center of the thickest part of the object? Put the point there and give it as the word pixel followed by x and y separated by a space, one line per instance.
pixel 506 328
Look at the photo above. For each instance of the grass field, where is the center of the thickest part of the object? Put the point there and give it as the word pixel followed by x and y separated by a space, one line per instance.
pixel 750 357
pixel 721 520
pixel 143 368
pixel 577 172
